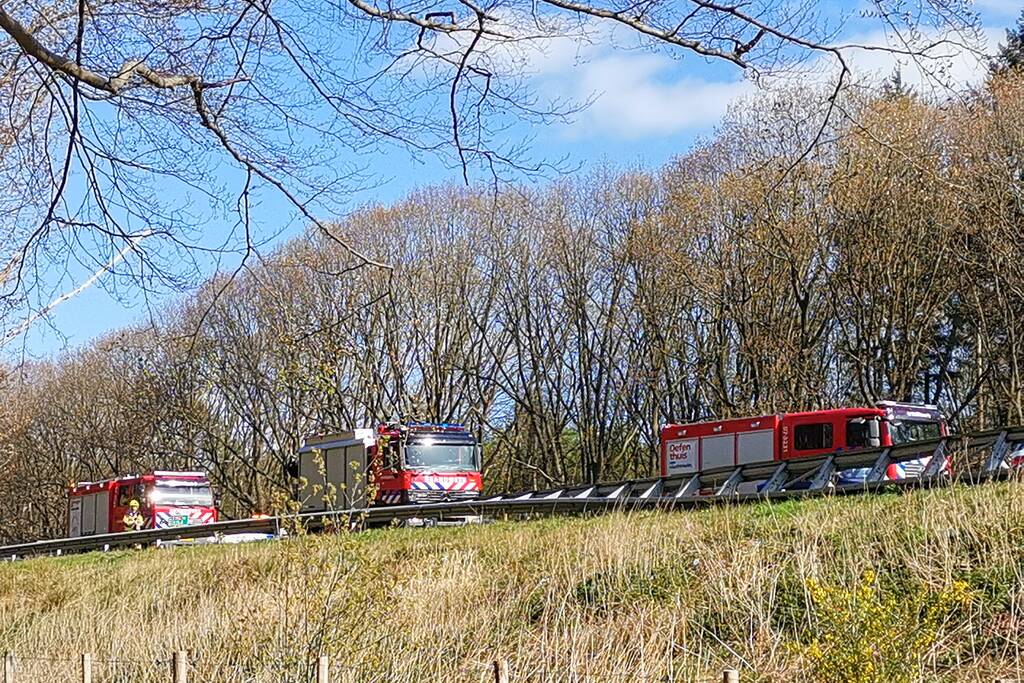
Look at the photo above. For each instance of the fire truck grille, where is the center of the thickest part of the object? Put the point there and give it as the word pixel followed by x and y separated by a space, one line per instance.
pixel 441 496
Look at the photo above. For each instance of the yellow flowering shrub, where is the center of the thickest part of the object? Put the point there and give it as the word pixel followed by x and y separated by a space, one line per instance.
pixel 868 634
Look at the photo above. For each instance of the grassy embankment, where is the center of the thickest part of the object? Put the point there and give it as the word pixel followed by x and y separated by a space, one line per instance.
pixel 918 586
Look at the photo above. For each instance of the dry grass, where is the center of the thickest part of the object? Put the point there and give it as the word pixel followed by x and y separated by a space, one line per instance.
pixel 613 598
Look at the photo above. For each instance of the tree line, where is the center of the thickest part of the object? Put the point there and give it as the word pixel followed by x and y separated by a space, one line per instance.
pixel 777 266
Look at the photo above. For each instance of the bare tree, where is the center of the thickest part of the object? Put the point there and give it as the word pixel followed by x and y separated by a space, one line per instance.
pixel 126 118
pixel 566 323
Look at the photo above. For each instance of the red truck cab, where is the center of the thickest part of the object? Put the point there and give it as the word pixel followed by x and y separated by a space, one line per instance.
pixel 418 462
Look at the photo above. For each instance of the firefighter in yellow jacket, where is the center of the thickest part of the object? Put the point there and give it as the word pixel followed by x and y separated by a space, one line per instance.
pixel 133 519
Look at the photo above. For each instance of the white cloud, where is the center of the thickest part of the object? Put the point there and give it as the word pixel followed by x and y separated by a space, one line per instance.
pixel 1002 8
pixel 632 93
pixel 951 62
pixel 641 95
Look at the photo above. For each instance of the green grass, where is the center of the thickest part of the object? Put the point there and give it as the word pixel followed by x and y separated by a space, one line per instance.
pixel 652 595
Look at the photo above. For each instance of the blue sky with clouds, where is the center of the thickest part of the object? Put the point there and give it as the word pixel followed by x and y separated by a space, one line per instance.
pixel 645 108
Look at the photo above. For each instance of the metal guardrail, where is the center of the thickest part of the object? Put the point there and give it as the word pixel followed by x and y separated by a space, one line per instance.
pixel 975 458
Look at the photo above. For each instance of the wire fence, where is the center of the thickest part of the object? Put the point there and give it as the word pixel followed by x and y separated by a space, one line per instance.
pixel 181 668
pixel 83 667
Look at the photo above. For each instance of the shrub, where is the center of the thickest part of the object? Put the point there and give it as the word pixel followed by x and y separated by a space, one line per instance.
pixel 873 634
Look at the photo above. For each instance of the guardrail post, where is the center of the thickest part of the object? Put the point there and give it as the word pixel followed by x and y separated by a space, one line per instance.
pixel 500 668
pixel 690 488
pixel 729 487
pixel 86 667
pixel 730 676
pixel 937 463
pixel 777 480
pixel 877 471
pixel 323 670
pixel 997 455
pixel 823 476
pixel 8 667
pixel 180 667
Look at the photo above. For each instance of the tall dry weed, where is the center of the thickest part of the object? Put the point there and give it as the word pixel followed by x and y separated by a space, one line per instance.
pixel 653 596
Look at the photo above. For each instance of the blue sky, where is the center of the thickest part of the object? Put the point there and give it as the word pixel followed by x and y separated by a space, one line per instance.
pixel 645 109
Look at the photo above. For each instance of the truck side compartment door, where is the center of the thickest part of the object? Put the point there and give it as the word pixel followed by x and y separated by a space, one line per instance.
pixel 103 512
pixel 89 514
pixel 75 516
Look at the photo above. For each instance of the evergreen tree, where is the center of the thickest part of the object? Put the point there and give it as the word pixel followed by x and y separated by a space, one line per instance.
pixel 1011 53
pixel 894 87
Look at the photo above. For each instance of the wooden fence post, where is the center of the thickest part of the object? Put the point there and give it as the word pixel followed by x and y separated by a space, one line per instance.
pixel 8 667
pixel 86 667
pixel 730 676
pixel 180 667
pixel 323 670
pixel 500 671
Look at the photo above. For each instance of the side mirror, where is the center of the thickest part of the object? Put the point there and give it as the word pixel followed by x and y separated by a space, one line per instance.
pixel 874 434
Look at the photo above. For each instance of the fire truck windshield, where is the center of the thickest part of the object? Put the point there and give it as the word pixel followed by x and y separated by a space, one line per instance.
pixel 905 431
pixel 181 493
pixel 440 457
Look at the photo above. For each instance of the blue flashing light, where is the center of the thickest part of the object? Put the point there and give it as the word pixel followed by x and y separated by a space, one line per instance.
pixel 437 426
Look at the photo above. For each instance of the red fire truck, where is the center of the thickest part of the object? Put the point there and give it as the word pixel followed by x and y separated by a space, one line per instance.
pixel 411 462
pixel 166 499
pixel 692 448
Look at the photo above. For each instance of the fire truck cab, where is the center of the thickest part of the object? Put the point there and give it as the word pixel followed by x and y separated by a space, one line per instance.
pixel 411 462
pixel 166 499
pixel 692 448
